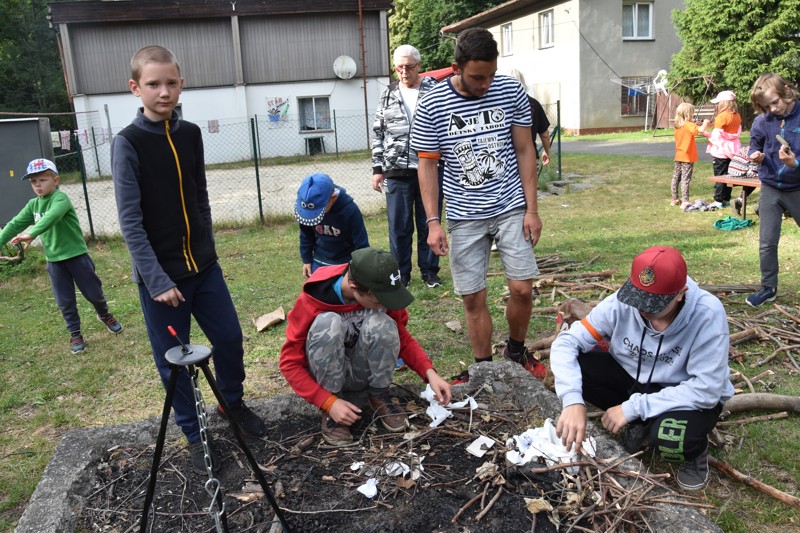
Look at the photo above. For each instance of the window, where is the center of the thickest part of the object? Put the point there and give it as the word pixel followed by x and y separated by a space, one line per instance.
pixel 505 38
pixel 637 20
pixel 546 29
pixel 634 96
pixel 315 113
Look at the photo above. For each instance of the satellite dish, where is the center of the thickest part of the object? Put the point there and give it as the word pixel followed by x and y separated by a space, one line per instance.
pixel 344 67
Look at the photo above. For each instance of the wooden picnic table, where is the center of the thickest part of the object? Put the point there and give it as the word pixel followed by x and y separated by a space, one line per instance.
pixel 734 181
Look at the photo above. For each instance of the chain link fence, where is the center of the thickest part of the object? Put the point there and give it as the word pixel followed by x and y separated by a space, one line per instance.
pixel 253 165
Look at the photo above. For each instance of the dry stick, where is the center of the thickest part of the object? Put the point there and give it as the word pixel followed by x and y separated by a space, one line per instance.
pixel 776 352
pixel 779 495
pixel 744 335
pixel 749 383
pixel 762 400
pixel 762 418
pixel 489 506
pixel 785 313
pixel 464 508
pixel 679 502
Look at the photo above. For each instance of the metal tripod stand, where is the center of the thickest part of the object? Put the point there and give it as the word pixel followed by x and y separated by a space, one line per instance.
pixel 193 356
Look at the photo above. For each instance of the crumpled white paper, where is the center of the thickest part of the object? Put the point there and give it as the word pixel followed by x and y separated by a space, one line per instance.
pixel 439 413
pixel 369 489
pixel 543 443
pixel 396 469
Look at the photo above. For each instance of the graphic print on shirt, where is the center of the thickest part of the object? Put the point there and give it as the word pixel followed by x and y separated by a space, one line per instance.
pixel 480 161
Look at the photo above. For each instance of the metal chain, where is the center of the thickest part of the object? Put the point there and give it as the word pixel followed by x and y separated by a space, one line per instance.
pixel 212 486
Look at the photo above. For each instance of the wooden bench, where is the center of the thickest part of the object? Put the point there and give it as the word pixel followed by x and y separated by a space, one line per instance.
pixel 732 181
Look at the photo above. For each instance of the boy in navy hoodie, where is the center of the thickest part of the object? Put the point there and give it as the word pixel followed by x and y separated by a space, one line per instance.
pixel 331 225
pixel 665 376
pixel 164 214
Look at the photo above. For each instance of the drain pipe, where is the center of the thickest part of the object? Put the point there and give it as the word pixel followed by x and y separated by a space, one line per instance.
pixel 363 68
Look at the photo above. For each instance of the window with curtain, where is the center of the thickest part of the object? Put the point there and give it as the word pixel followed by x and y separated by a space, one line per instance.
pixel 546 33
pixel 315 113
pixel 506 39
pixel 637 20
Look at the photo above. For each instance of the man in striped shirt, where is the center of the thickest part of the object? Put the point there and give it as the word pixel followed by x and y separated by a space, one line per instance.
pixel 480 124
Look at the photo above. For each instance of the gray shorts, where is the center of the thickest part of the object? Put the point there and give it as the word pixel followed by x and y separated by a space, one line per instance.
pixel 471 246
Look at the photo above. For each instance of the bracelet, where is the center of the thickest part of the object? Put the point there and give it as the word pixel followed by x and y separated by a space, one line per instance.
pixel 431 219
pixel 532 212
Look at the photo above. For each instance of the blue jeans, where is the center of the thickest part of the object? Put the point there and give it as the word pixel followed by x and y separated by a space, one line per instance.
pixel 209 301
pixel 404 209
pixel 64 276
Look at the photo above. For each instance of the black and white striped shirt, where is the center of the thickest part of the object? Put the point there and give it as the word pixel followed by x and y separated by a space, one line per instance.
pixel 473 135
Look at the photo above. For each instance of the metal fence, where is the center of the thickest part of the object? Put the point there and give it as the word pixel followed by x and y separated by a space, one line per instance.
pixel 253 166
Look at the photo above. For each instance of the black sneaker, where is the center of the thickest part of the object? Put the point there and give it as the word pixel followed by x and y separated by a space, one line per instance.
pixel 693 475
pixel 250 424
pixel 198 455
pixel 432 280
pixel 737 205
pixel 766 294
pixel 405 280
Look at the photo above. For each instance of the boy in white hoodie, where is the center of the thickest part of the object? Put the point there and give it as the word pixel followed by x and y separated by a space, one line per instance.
pixel 666 374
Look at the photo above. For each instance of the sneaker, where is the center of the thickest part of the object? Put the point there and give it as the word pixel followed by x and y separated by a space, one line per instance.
pixel 675 201
pixel 686 204
pixel 111 323
pixel 432 280
pixel 76 344
pixel 766 294
pixel 716 205
pixel 390 416
pixel 528 362
pixel 463 377
pixel 333 433
pixel 636 437
pixel 198 455
pixel 405 280
pixel 737 205
pixel 693 475
pixel 250 424
pixel 494 246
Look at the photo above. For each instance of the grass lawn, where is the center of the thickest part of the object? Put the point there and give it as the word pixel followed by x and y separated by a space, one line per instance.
pixel 45 391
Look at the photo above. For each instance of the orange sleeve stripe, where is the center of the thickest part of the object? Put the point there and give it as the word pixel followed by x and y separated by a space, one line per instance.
pixel 326 405
pixel 429 155
pixel 593 332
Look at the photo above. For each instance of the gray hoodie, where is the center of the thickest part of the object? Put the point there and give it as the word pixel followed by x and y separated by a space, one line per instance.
pixel 690 355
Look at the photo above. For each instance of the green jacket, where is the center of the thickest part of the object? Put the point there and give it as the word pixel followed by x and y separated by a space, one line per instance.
pixel 54 219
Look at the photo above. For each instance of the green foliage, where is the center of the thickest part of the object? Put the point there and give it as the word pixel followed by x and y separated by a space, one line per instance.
pixel 734 42
pixel 30 66
pixel 418 23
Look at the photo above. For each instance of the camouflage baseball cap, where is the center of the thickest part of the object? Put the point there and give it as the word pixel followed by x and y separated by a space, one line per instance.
pixel 378 271
pixel 657 275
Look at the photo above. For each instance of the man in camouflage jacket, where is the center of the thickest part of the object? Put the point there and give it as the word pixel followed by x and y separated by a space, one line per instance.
pixel 394 166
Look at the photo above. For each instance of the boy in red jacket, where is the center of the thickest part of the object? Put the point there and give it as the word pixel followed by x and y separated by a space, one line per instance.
pixel 345 332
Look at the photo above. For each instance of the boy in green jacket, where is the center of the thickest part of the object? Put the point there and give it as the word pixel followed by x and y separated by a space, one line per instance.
pixel 68 263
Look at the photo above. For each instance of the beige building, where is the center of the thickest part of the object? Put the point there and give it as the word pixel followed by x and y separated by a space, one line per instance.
pixel 599 58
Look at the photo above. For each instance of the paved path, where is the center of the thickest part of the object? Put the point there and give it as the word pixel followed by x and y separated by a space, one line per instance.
pixel 648 149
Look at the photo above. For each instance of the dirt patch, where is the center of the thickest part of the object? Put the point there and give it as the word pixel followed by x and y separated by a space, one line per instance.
pixel 317 488
pixel 97 478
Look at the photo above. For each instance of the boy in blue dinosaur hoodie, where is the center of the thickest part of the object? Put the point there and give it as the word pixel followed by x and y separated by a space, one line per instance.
pixel 665 376
pixel 331 224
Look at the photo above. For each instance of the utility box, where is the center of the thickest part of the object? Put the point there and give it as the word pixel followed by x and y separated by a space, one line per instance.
pixel 21 141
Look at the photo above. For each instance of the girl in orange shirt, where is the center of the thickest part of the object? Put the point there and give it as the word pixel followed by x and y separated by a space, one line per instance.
pixel 685 153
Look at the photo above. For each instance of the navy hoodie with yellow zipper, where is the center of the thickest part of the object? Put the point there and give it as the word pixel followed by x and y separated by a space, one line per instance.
pixel 162 200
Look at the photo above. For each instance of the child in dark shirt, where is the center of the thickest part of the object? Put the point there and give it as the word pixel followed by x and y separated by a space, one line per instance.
pixel 331 225
pixel 165 218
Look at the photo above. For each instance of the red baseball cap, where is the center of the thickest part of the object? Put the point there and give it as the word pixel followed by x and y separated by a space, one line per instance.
pixel 657 275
